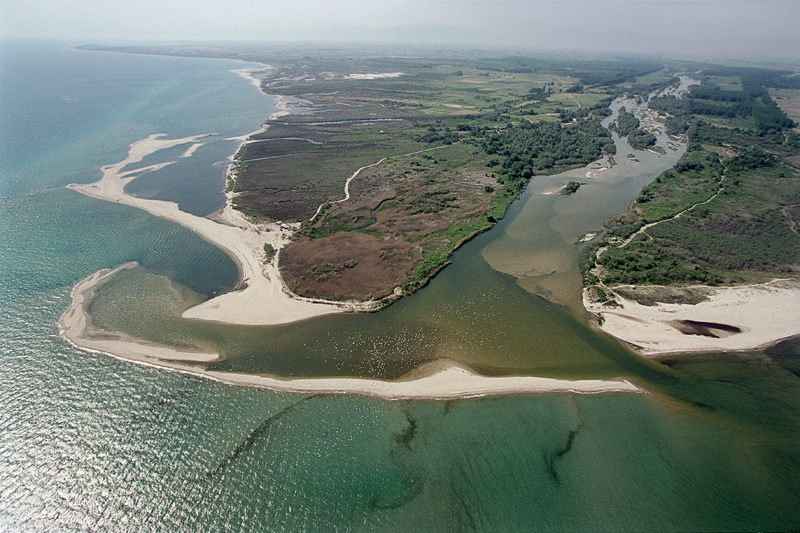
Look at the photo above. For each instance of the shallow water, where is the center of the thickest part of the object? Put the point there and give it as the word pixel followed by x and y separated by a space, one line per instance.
pixel 88 442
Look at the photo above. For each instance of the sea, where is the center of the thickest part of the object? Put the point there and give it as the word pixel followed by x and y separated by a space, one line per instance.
pixel 89 442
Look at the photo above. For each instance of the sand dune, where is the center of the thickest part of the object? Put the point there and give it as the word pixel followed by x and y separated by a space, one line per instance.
pixel 762 314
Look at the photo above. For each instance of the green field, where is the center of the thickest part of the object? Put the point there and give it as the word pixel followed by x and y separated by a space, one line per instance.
pixel 788 100
pixel 738 223
pixel 727 83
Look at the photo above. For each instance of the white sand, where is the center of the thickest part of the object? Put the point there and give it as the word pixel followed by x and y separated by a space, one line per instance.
pixel 263 301
pixel 254 75
pixel 442 379
pixel 76 327
pixel 765 313
pixel 376 76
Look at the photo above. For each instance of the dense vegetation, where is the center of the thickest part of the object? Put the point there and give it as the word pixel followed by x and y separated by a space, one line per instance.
pixel 627 125
pixel 741 115
pixel 729 229
pixel 752 103
pixel 528 146
pixel 715 219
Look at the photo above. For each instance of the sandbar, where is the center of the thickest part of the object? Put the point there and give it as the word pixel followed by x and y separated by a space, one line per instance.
pixel 440 380
pixel 260 298
pixel 374 76
pixel 738 318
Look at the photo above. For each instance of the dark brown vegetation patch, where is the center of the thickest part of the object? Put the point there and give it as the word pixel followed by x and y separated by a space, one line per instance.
pixel 347 266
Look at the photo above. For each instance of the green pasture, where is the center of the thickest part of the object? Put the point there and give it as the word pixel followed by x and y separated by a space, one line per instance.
pixel 727 83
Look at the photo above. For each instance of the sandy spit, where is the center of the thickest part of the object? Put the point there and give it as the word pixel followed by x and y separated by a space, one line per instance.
pixel 260 298
pixel 439 380
pixel 763 313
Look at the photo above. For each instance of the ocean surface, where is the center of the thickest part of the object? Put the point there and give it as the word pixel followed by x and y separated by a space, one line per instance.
pixel 92 443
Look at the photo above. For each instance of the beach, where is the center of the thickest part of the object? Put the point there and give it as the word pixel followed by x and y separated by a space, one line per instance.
pixel 259 299
pixel 736 318
pixel 442 379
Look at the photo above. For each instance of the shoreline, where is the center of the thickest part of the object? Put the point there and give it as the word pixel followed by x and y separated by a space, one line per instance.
pixel 439 380
pixel 260 298
pixel 730 319
pixel 263 301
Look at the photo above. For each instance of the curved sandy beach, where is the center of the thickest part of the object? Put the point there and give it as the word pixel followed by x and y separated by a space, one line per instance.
pixel 762 313
pixel 260 298
pixel 442 379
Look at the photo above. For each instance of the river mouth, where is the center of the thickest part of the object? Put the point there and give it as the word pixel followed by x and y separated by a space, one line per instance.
pixel 540 245
pixel 509 304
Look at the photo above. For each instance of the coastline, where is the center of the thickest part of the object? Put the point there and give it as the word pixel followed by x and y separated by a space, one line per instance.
pixel 741 318
pixel 440 380
pixel 76 327
pixel 260 298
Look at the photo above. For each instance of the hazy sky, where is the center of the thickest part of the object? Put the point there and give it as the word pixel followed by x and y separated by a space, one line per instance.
pixel 725 28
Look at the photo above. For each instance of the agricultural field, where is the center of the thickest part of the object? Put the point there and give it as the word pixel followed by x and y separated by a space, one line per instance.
pixel 788 100
pixel 726 83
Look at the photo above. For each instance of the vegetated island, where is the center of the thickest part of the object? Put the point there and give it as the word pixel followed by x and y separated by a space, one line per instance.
pixel 385 175
pixel 707 258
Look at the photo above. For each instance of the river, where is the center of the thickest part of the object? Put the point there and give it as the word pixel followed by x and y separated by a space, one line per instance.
pixel 92 443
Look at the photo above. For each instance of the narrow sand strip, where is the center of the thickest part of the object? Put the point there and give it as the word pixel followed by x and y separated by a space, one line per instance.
pixel 75 325
pixel 763 313
pixel 442 379
pixel 260 298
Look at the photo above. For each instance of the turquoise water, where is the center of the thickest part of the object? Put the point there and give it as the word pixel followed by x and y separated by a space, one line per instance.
pixel 88 442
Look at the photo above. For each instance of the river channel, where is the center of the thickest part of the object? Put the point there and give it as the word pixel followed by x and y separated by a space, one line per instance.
pixel 508 304
pixel 92 443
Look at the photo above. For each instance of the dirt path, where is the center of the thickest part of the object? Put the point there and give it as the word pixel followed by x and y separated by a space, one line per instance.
pixel 794 224
pixel 602 250
pixel 357 172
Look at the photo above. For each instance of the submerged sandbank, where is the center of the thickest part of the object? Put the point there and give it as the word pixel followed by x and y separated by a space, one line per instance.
pixel 76 326
pixel 730 319
pixel 442 379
